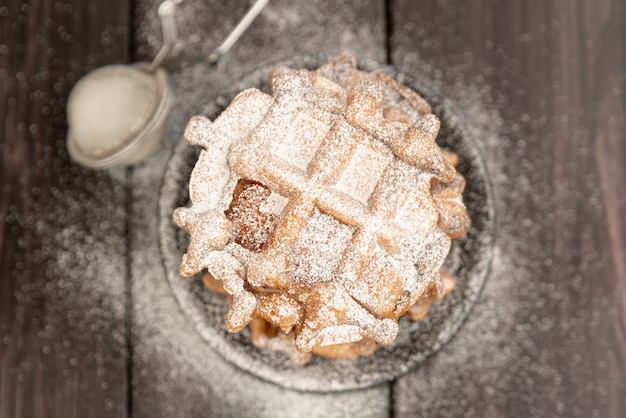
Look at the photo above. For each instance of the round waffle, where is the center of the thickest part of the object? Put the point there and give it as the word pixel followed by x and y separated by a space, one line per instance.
pixel 294 160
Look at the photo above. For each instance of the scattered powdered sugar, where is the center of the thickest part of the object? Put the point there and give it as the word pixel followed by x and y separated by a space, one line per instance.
pixel 73 300
pixel 495 363
pixel 515 353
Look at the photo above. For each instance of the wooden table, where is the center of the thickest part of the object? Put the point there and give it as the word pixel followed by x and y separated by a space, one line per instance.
pixel 541 87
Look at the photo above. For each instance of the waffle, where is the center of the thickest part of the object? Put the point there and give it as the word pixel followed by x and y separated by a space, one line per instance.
pixel 323 211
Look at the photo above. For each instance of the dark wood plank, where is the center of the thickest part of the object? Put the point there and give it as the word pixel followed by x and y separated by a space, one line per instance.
pixel 62 228
pixel 549 77
pixel 175 373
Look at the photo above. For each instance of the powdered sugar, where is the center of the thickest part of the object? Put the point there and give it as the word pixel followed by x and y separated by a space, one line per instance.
pixel 397 358
pixel 314 257
pixel 289 153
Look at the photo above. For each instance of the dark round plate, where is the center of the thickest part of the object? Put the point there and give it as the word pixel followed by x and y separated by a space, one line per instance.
pixel 468 261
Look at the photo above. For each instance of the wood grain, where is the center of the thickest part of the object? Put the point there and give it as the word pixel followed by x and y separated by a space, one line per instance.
pixel 554 72
pixel 63 346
